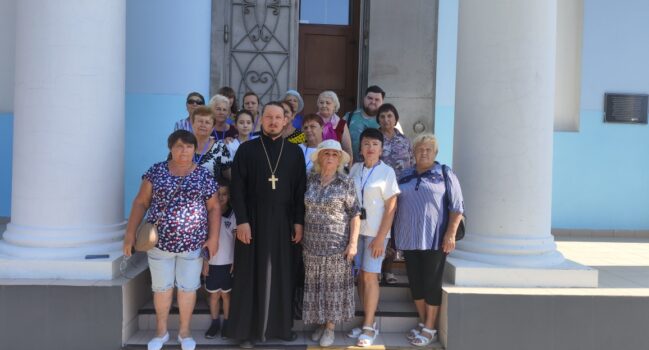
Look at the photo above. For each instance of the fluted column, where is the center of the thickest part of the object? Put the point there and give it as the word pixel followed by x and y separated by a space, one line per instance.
pixel 503 135
pixel 68 151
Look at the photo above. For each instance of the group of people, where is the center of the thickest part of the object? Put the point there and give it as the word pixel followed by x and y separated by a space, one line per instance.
pixel 260 202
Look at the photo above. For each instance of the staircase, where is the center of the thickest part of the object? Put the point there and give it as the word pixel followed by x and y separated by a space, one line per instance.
pixel 396 315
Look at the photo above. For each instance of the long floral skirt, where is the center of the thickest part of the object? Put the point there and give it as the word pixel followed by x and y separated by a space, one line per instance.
pixel 328 289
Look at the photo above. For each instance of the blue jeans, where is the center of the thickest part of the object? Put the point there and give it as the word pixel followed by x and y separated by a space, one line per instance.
pixel 364 257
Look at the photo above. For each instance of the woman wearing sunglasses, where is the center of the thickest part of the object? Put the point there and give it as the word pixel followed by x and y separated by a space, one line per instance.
pixel 194 99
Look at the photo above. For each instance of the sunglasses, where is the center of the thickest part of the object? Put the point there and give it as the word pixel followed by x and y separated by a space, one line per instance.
pixel 195 102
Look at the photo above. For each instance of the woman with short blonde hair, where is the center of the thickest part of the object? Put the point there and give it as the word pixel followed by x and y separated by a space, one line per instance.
pixel 221 107
pixel 427 219
pixel 335 128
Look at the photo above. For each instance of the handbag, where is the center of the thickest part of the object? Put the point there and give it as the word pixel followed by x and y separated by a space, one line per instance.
pixel 146 236
pixel 459 234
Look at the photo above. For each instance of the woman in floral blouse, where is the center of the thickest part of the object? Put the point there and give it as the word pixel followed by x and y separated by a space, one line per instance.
pixel 397 148
pixel 180 197
pixel 210 153
pixel 331 230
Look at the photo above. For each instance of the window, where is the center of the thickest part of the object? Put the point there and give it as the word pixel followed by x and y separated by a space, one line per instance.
pixel 324 12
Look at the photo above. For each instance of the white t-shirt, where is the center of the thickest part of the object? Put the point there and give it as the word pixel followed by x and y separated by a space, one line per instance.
pixel 225 254
pixel 307 156
pixel 233 146
pixel 380 186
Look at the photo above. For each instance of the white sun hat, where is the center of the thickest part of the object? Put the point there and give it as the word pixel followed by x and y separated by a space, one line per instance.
pixel 333 145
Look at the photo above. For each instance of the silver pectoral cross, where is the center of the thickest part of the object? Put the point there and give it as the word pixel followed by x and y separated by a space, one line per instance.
pixel 272 180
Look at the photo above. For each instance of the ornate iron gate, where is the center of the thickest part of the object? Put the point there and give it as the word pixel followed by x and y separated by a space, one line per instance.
pixel 254 46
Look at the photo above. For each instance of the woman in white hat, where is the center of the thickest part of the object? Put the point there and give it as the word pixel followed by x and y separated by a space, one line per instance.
pixel 331 230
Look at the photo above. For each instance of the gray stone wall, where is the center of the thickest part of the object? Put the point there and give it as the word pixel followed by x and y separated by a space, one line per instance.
pixel 402 58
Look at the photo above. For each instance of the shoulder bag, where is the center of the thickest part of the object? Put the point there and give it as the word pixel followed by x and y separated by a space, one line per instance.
pixel 462 227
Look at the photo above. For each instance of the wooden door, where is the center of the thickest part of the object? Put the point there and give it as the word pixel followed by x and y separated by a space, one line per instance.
pixel 328 60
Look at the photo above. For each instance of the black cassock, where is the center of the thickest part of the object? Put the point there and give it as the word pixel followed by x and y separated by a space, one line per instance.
pixel 263 283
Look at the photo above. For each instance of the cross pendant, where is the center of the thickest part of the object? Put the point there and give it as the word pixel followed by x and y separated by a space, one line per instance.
pixel 272 180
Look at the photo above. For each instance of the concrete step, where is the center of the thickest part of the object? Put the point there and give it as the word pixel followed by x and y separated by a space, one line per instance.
pixel 385 340
pixel 391 316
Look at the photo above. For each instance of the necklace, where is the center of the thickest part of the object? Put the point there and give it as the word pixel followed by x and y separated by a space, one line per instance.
pixel 216 134
pixel 272 179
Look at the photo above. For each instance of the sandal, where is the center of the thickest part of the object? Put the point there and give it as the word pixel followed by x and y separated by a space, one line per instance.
pixel 415 331
pixel 354 333
pixel 365 340
pixel 422 340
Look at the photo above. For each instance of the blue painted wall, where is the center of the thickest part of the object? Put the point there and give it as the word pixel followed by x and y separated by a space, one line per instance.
pixel 167 46
pixel 6 139
pixel 167 56
pixel 601 173
pixel 445 78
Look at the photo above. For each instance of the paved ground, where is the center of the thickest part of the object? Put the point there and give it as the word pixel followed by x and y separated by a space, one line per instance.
pixel 622 262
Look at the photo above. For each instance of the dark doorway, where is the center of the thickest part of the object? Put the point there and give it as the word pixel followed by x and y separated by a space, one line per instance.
pixel 328 54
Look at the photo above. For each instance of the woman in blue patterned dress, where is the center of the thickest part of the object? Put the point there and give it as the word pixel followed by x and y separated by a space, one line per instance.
pixel 180 197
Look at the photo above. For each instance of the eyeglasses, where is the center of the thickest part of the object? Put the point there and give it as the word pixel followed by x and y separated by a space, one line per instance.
pixel 195 102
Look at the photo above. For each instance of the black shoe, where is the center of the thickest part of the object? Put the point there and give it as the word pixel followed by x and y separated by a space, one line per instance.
pixel 224 325
pixel 291 337
pixel 214 329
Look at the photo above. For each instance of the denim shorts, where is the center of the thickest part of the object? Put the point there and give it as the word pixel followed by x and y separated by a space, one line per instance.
pixel 182 268
pixel 364 257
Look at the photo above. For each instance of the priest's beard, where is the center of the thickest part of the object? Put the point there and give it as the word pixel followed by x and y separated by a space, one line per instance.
pixel 273 135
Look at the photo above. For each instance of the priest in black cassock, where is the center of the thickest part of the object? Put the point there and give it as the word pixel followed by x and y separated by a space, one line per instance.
pixel 267 191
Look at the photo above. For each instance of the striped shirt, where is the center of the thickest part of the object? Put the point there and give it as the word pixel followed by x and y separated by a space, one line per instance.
pixel 183 124
pixel 422 208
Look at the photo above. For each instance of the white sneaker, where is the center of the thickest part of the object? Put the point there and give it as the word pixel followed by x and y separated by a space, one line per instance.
pixel 328 337
pixel 157 342
pixel 317 334
pixel 187 343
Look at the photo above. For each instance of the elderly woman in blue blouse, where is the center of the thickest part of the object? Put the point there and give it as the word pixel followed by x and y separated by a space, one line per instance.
pixel 181 197
pixel 426 224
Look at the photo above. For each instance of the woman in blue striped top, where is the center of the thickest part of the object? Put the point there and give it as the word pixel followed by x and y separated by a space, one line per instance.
pixel 425 227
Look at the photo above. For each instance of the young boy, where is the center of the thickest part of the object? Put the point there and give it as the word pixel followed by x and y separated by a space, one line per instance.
pixel 217 272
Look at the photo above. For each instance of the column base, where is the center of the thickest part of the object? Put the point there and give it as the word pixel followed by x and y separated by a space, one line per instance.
pixel 477 274
pixel 68 269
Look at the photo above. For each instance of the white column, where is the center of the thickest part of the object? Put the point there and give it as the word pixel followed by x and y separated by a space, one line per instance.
pixel 67 190
pixel 503 144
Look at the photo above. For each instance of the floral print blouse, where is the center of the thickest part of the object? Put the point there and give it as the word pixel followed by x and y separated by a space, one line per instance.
pixel 398 153
pixel 328 211
pixel 182 225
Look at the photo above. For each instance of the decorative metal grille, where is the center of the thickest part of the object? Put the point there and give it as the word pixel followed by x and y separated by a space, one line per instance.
pixel 260 47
